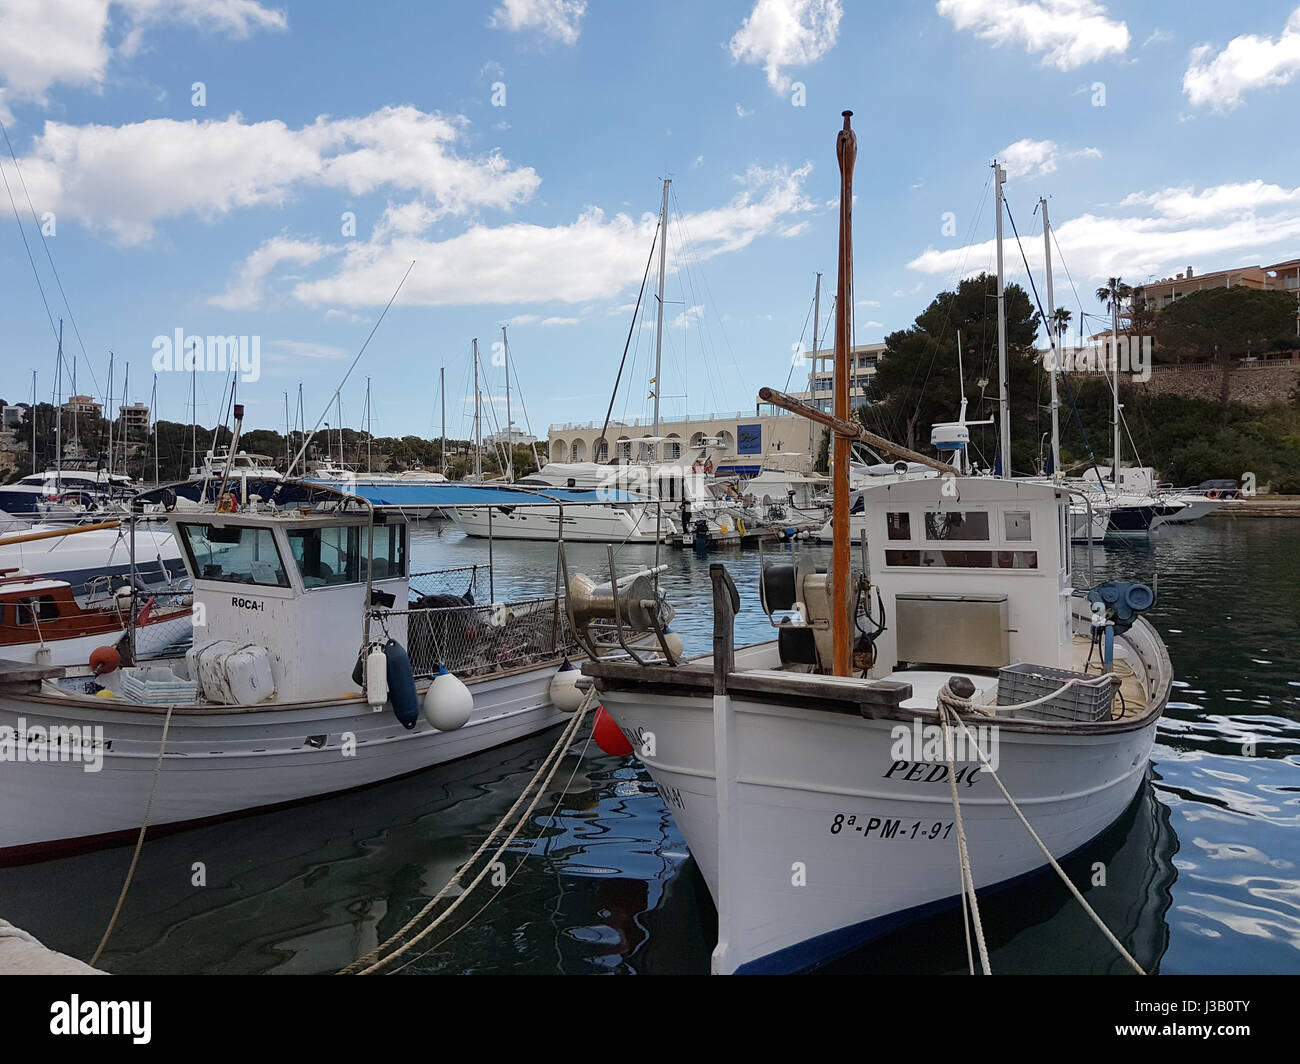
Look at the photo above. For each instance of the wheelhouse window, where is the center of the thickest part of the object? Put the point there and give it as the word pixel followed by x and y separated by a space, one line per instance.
pixel 1017 526
pixel 963 559
pixel 957 525
pixel 329 555
pixel 898 526
pixel 389 559
pixel 236 555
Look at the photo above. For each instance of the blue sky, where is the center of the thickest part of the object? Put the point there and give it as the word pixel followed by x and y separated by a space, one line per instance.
pixel 514 151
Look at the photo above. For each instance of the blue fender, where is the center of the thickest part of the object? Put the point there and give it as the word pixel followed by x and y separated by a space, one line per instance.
pixel 401 685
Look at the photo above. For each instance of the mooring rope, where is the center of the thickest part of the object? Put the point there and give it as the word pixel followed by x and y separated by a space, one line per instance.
pixel 963 854
pixel 550 820
pixel 946 700
pixel 139 842
pixel 379 957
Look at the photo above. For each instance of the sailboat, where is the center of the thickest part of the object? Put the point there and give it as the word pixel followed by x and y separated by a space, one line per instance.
pixel 845 776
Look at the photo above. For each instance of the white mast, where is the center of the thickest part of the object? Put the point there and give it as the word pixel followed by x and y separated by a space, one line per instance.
pixel 108 406
pixel 510 447
pixel 287 454
pixel 126 379
pixel 659 323
pixel 1114 355
pixel 34 404
pixel 1004 387
pixel 1055 344
pixel 478 439
pixel 153 409
pixel 369 434
pixel 194 409
pixel 58 410
pixel 442 392
pixel 812 374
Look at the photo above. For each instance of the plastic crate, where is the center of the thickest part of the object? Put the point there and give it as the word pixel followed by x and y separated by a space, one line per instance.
pixel 1024 683
pixel 157 685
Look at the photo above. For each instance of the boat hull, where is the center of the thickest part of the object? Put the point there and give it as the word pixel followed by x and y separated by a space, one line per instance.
pixel 225 761
pixel 832 841
pixel 582 523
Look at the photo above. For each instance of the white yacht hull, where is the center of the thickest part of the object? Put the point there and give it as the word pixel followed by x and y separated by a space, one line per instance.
pixel 221 761
pixel 583 523
pixel 832 842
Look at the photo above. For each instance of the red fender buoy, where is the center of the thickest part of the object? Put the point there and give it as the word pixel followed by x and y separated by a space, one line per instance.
pixel 609 736
pixel 104 660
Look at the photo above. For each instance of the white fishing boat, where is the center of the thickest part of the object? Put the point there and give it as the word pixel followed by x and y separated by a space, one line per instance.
pixel 847 776
pixel 312 672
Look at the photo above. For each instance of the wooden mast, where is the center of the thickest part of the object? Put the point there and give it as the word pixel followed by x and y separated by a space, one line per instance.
pixel 846 150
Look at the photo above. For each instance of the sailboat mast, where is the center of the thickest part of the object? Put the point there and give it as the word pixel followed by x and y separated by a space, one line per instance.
pixel 58 425
pixel 1054 341
pixel 287 437
pixel 1114 359
pixel 1004 386
pixel 812 371
pixel 510 447
pixel 34 405
pixel 194 412
pixel 369 426
pixel 442 392
pixel 659 320
pixel 108 405
pixel 846 150
pixel 153 409
pixel 478 439
pixel 126 379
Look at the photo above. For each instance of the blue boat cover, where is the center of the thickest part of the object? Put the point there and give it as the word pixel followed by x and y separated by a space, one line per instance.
pixel 454 493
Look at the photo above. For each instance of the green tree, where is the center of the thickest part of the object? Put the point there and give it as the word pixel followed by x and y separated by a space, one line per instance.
pixel 916 382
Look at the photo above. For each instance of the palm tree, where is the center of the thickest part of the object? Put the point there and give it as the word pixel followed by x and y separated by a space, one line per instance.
pixel 1060 322
pixel 1113 294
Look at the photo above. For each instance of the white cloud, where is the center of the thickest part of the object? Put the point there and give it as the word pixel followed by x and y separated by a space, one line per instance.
pixel 245 291
pixel 1158 36
pixel 1033 158
pixel 1248 62
pixel 594 257
pixel 552 322
pixel 49 42
pixel 558 20
pixel 306 349
pixel 867 303
pixel 741 112
pixel 873 325
pixel 1067 33
pixel 125 179
pixel 1178 226
pixel 687 317
pixel 782 33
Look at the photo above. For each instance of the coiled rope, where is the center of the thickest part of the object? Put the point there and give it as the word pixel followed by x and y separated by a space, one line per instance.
pixel 947 701
pixel 385 953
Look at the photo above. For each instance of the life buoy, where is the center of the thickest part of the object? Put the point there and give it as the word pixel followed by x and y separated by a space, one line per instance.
pixel 1213 493
pixel 698 467
pixel 227 504
pixel 708 466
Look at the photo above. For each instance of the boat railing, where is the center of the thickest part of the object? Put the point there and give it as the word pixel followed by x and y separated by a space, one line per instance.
pixel 478 640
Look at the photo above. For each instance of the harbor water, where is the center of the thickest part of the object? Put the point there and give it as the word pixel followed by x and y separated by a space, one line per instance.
pixel 1199 876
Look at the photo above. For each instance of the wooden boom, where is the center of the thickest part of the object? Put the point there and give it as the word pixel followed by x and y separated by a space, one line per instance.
pixel 850 429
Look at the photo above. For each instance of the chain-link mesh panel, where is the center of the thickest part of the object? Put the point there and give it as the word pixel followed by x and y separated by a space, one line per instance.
pixel 455 581
pixel 474 640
